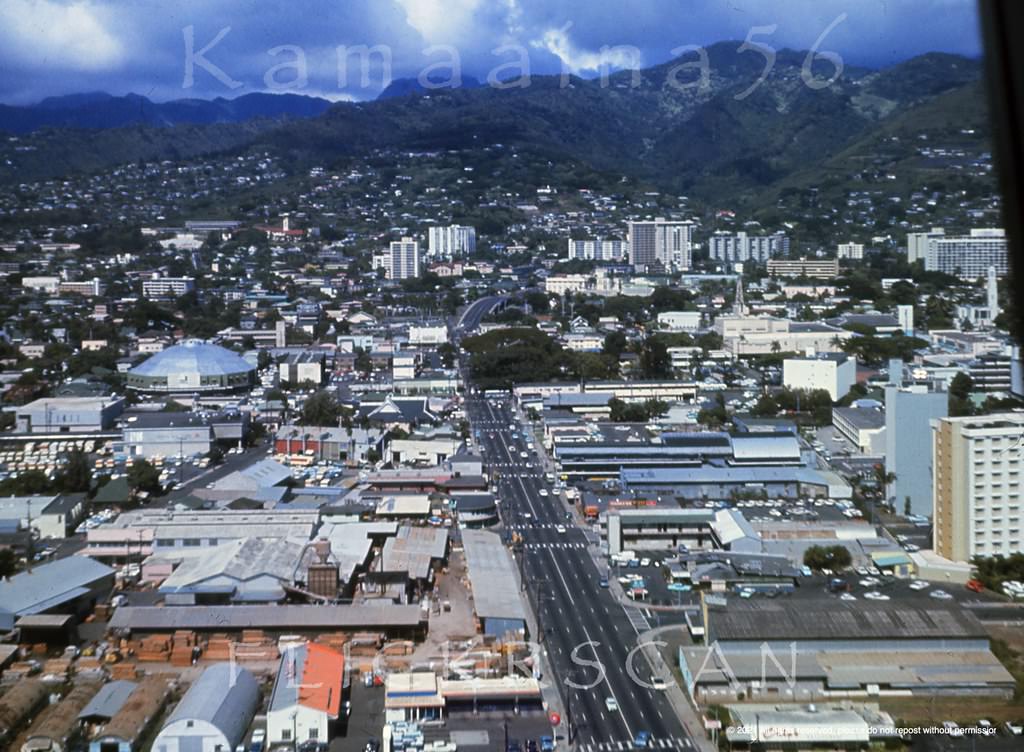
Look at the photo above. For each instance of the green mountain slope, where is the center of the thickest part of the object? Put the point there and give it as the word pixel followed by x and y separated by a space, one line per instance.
pixel 726 141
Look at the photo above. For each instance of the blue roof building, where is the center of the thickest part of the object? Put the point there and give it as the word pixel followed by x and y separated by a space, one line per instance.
pixel 214 714
pixel 192 366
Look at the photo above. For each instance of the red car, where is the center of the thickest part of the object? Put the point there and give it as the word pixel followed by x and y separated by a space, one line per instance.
pixel 974 585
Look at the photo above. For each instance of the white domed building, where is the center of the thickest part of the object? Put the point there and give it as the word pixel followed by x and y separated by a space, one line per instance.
pixel 190 367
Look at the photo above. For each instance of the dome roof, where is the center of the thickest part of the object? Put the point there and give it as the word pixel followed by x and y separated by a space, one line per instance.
pixel 193 356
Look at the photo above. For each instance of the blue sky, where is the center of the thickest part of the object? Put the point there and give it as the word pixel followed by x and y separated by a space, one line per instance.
pixel 51 47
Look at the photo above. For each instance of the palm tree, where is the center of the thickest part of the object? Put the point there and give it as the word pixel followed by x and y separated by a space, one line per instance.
pixel 776 347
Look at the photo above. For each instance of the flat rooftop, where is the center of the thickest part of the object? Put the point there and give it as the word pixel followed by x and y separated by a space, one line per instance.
pixel 492 576
pixel 277 617
pixel 826 618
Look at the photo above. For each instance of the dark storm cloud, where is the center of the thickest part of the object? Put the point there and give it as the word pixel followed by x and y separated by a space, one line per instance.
pixel 60 46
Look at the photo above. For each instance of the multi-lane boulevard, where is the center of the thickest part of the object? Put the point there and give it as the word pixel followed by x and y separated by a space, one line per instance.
pixel 589 636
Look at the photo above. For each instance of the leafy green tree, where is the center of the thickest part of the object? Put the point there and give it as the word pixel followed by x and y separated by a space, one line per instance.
pixel 76 476
pixel 615 343
pixel 143 477
pixel 8 563
pixel 766 407
pixel 960 388
pixel 655 362
pixel 827 557
pixel 29 483
pixel 447 352
pixel 321 409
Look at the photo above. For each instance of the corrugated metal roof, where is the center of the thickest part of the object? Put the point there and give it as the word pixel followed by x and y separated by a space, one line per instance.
pixel 156 618
pixel 225 696
pixel 837 620
pixel 492 576
pixel 51 584
pixel 105 704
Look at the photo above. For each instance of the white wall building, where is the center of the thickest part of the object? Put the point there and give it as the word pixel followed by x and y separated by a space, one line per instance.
pixel 680 321
pixel 740 247
pixel 451 241
pixel 917 243
pixel 428 335
pixel 850 251
pixel 404 261
pixel 835 373
pixel 598 249
pixel 977 464
pixel 167 287
pixel 560 284
pixel 660 241
pixel 306 695
pixel 968 256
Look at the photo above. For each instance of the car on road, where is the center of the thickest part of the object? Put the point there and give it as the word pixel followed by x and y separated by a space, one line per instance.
pixel 918 585
pixel 975 586
pixel 603 582
pixel 524 455
pixel 547 744
pixel 560 529
pixel 659 683
pixel 847 597
pixel 941 595
pixel 645 562
pixel 372 745
pixel 874 595
pixel 611 704
pixel 543 492
pixel 642 739
pixel 513 746
pixel 531 746
pixel 258 740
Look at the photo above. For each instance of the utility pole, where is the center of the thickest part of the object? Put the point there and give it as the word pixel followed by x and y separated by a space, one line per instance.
pixel 30 549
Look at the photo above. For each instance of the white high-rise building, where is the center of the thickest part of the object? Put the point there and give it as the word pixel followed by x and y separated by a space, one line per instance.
pixel 850 251
pixel 968 256
pixel 977 470
pixel 405 259
pixel 740 247
pixel 598 249
pixel 451 241
pixel 905 315
pixel 917 243
pixel 992 294
pixel 668 243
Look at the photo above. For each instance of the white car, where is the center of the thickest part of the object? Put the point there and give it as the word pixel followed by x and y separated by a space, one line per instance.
pixel 524 455
pixel 847 597
pixel 560 529
pixel 919 585
pixel 543 492
pixel 611 704
pixel 874 595
pixel 941 595
pixel 645 562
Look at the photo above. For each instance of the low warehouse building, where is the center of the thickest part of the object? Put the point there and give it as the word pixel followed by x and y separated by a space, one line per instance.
pixel 137 715
pixel 307 695
pixel 69 586
pixel 214 713
pixel 496 597
pixel 807 646
pixel 57 725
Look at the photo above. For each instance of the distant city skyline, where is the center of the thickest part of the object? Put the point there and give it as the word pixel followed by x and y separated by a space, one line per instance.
pixel 190 49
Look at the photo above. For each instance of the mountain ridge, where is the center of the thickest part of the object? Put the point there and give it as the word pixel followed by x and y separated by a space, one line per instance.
pixel 100 110
pixel 728 139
